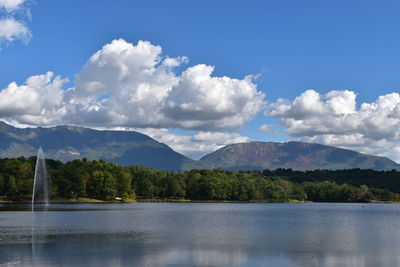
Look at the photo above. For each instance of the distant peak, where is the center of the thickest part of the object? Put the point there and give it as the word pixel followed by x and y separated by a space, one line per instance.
pixel 2 123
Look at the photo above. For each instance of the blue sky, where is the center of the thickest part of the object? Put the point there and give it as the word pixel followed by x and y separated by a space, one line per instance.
pixel 292 46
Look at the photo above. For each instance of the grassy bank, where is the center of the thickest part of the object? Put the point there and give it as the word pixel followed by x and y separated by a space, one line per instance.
pixel 90 200
pixel 176 200
pixel 74 200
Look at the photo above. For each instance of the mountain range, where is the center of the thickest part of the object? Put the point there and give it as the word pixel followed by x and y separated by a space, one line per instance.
pixel 132 148
pixel 66 143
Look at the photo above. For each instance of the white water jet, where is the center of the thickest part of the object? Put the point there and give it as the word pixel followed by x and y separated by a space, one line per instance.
pixel 40 191
pixel 40 194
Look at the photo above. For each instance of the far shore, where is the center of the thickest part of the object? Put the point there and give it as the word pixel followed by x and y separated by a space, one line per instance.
pixel 71 201
pixel 128 200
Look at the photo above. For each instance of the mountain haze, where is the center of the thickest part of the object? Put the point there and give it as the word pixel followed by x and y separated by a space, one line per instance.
pixel 295 155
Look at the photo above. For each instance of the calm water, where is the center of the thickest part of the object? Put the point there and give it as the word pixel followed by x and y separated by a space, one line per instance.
pixel 184 234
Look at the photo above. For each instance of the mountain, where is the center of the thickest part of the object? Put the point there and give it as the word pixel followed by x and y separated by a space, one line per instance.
pixel 295 155
pixel 69 142
pixel 132 148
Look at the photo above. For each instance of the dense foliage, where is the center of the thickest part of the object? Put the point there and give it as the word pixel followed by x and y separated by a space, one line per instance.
pixel 104 180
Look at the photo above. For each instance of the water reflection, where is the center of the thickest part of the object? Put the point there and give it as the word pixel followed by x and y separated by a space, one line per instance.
pixel 159 234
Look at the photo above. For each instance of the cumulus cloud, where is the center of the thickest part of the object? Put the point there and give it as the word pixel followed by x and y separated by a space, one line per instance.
pixel 123 85
pixel 126 85
pixel 202 101
pixel 135 86
pixel 11 27
pixel 11 5
pixel 333 119
pixel 39 101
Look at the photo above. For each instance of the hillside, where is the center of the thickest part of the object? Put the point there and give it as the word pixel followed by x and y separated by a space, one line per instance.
pixel 295 155
pixel 66 143
pixel 69 142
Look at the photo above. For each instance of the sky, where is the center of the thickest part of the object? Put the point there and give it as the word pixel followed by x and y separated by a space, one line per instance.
pixel 198 75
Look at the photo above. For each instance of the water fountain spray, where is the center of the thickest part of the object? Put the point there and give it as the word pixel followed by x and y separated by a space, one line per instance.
pixel 40 191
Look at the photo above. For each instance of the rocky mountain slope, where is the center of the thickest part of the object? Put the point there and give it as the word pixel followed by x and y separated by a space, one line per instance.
pixel 68 142
pixel 295 155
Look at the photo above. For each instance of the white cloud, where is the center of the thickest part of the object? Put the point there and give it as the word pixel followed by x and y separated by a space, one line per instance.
pixel 200 101
pixel 266 128
pixel 126 85
pixel 11 29
pixel 137 87
pixel 37 102
pixel 11 5
pixel 132 82
pixel 333 119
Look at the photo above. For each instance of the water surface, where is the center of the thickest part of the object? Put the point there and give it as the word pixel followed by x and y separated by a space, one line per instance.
pixel 200 234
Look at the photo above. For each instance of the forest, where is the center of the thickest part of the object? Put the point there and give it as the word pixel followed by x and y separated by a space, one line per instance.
pixel 98 179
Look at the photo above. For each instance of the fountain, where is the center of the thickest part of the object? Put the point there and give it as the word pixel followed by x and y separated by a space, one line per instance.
pixel 40 194
pixel 40 191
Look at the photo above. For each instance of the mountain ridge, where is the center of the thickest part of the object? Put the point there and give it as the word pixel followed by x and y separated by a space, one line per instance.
pixel 66 143
pixel 293 155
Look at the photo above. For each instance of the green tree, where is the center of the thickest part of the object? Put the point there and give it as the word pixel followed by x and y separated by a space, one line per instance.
pixel 145 187
pixel 124 180
pixel 174 188
pixel 103 185
pixel 2 184
pixel 109 187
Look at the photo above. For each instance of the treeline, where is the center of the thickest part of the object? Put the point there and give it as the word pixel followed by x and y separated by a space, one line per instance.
pixel 107 181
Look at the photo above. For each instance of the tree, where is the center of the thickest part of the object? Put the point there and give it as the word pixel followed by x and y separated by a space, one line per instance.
pixel 103 185
pixel 145 187
pixel 12 188
pixel 109 187
pixel 124 180
pixel 1 184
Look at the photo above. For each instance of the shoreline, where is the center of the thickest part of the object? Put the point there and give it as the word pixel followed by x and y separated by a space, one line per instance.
pixel 70 201
pixel 124 201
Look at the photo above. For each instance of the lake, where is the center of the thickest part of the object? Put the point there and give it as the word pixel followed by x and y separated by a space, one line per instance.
pixel 200 234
